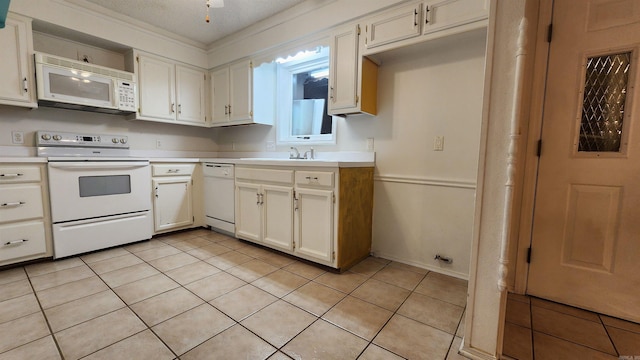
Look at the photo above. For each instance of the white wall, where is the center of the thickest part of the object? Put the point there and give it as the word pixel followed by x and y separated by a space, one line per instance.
pixel 424 199
pixel 142 134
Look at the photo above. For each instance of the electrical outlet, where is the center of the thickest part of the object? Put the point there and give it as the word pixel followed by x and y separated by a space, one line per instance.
pixel 158 144
pixel 369 144
pixel 271 146
pixel 17 137
pixel 438 143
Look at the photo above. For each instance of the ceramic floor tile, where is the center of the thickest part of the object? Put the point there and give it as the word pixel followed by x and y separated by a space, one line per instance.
pixel 60 277
pixel 243 302
pixel 128 274
pixel 305 270
pixel 229 260
pixel 449 290
pixel 42 349
pixel 215 285
pixel 518 313
pixel 280 283
pixel 565 309
pixel 315 298
pixel 115 263
pixel 183 245
pixel 145 288
pixel 233 243
pixel 233 343
pixel 166 305
pixel 279 356
pixel 215 236
pixel 143 345
pixel 368 267
pixel 74 312
pixel 401 266
pixel 104 255
pixel 375 352
pixel 252 270
pixel 252 250
pixel 382 294
pixel 453 350
pixel 11 275
pixel 358 317
pixel 209 251
pixel 98 333
pixel 433 312
pixel 157 252
pixel 626 342
pixel 550 348
pixel 51 266
pixel 571 328
pixel 70 291
pixel 277 260
pixel 144 245
pixel 322 340
pixel 461 325
pixel 18 307
pixel 517 342
pixel 15 289
pixel 345 282
pixel 174 261
pixel 197 241
pixel 192 272
pixel 413 340
pixel 290 322
pixel 191 328
pixel 446 279
pixel 21 331
pixel 398 277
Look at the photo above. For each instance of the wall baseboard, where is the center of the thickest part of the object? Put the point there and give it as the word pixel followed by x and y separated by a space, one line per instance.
pixel 422 265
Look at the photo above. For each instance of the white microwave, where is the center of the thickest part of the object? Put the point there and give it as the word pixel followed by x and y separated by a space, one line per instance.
pixel 76 85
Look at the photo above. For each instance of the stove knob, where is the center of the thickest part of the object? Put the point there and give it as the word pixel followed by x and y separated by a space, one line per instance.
pixel 114 140
pixel 123 141
pixel 57 137
pixel 46 137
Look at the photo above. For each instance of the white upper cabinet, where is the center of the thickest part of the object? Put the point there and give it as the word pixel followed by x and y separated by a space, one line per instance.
pixel 170 92
pixel 220 96
pixel 444 14
pixel 240 91
pixel 398 24
pixel 17 82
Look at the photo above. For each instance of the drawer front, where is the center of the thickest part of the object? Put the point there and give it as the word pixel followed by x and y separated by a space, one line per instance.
pixel 22 239
pixel 172 169
pixel 265 175
pixel 18 174
pixel 20 202
pixel 314 178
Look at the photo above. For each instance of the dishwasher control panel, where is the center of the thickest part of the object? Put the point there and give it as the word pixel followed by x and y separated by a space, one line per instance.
pixel 218 170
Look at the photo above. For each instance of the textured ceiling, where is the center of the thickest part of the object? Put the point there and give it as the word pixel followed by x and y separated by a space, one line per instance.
pixel 187 17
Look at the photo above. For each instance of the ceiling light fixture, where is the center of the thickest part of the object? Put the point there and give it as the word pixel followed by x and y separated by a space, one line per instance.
pixel 215 4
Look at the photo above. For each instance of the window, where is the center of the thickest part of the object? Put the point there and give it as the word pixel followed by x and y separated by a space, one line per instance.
pixel 302 87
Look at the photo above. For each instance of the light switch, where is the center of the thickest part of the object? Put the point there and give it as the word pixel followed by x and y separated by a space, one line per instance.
pixel 438 143
pixel 369 144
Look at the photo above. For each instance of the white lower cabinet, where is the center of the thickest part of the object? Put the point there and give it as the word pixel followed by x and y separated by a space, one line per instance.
pixel 314 223
pixel 172 196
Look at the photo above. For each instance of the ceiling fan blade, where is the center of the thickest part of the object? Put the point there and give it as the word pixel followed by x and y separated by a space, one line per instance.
pixel 217 3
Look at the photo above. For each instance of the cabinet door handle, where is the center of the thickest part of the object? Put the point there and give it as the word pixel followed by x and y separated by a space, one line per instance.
pixel 295 204
pixel 229 109
pixel 226 110
pixel 426 14
pixel 173 106
pixel 17 203
pixel 257 199
pixel 156 191
pixel 261 199
pixel 415 17
pixel 11 175
pixel 14 242
pixel 24 83
pixel 331 95
pixel 179 108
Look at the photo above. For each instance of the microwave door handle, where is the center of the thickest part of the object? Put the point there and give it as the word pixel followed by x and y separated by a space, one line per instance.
pixel 103 166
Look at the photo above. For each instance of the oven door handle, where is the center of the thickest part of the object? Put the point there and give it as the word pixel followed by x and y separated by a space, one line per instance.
pixel 99 165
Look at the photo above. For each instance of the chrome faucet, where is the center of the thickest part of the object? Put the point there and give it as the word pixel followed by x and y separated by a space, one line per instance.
pixel 310 154
pixel 294 153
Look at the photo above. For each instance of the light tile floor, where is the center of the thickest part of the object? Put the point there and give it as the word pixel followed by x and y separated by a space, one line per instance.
pixel 203 295
pixel 540 329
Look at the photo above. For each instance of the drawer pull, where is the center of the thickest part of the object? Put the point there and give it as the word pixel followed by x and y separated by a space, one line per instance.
pixel 15 242
pixel 312 178
pixel 11 175
pixel 17 203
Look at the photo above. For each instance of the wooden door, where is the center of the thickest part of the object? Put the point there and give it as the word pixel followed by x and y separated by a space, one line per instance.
pixel 586 233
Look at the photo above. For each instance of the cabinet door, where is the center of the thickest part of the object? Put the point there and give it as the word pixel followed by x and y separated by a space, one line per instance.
pixel 220 96
pixel 277 203
pixel 190 95
pixel 399 24
pixel 314 224
pixel 240 91
pixel 248 211
pixel 16 79
pixel 172 203
pixel 156 85
pixel 444 14
pixel 344 70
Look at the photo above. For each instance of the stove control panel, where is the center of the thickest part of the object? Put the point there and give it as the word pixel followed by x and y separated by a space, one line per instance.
pixel 56 138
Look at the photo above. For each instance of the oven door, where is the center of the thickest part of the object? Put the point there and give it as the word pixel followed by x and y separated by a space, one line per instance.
pixel 90 189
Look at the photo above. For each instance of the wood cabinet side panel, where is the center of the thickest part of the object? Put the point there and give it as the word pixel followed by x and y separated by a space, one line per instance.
pixel 355 216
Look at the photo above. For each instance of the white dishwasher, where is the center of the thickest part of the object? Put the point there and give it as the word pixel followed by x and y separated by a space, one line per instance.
pixel 219 196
